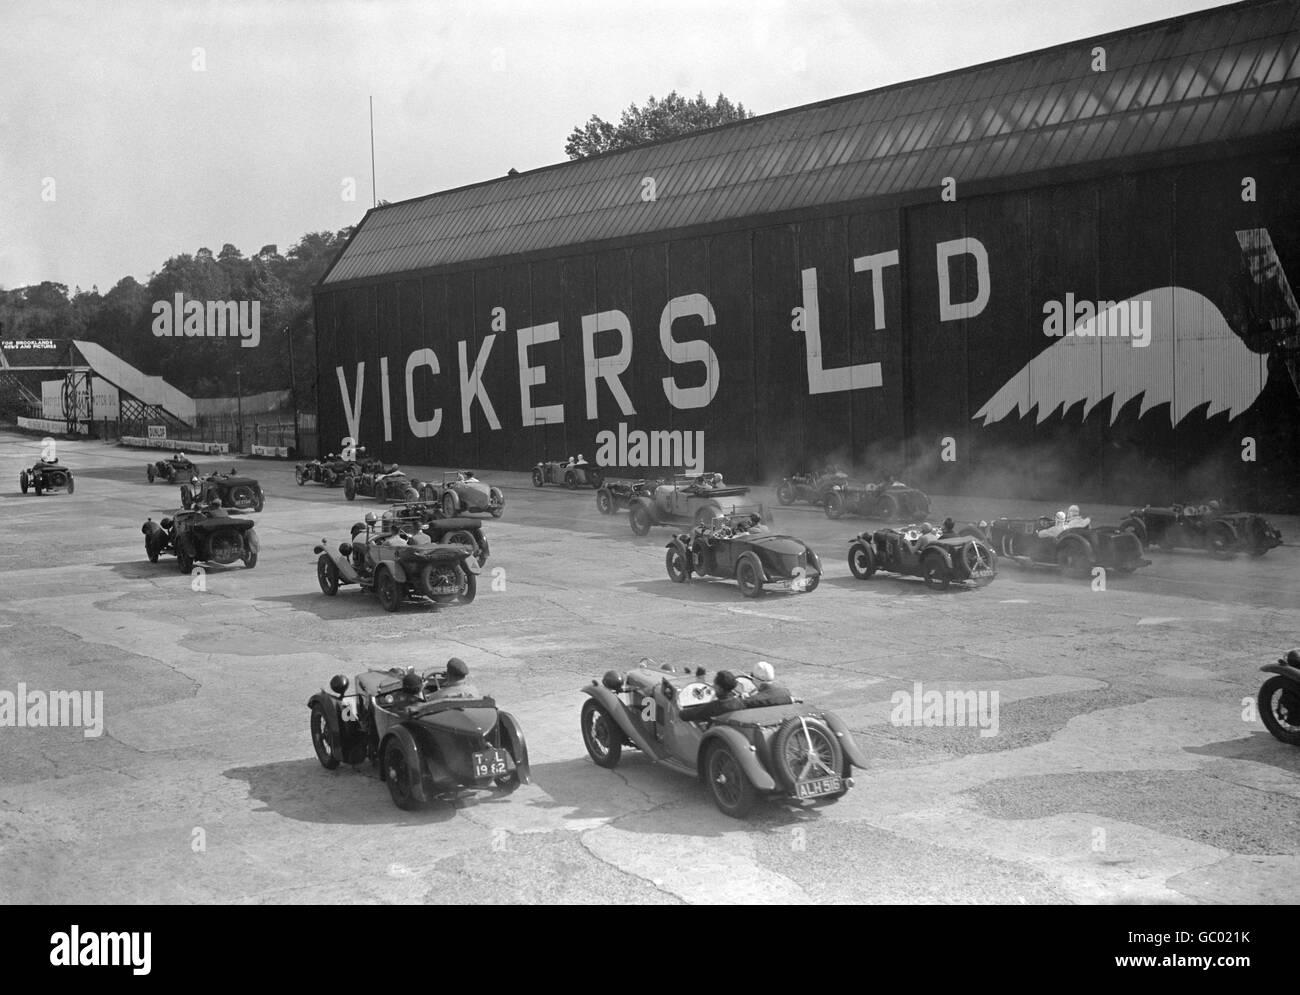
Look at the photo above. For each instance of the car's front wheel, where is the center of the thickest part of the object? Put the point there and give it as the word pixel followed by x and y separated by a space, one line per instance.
pixel 861 561
pixel 400 776
pixel 299 475
pixel 730 787
pixel 834 505
pixel 934 571
pixel 639 519
pixel 1074 558
pixel 678 563
pixel 571 480
pixel 72 483
pixel 320 739
pixel 538 479
pixel 1279 707
pixel 604 503
pixel 449 505
pixel 327 575
pixel 150 472
pixel 386 587
pixel 23 481
pixel 187 497
pixel 785 494
pixel 600 735
pixel 184 561
pixel 350 487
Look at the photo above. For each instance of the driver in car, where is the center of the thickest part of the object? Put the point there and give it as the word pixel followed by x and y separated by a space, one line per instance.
pixel 725 699
pixel 769 691
pixel 452 682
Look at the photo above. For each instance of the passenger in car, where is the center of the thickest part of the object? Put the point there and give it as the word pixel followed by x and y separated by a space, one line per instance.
pixel 769 691
pixel 725 699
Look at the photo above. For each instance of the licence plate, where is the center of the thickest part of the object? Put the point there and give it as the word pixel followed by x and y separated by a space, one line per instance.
pixel 814 789
pixel 446 589
pixel 493 763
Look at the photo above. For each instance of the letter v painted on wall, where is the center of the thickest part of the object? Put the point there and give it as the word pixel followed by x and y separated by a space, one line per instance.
pixel 821 380
pixel 352 405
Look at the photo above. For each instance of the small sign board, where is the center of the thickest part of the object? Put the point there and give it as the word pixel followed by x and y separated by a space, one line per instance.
pixel 157 431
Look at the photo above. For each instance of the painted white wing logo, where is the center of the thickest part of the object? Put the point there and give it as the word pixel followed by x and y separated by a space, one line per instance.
pixel 1194 358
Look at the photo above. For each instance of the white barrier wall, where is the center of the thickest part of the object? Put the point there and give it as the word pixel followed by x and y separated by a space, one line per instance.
pixel 51 425
pixel 184 445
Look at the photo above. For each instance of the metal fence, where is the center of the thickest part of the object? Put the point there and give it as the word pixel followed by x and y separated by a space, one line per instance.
pixel 276 429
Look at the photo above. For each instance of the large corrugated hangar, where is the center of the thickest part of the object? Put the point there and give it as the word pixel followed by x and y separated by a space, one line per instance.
pixel 1063 271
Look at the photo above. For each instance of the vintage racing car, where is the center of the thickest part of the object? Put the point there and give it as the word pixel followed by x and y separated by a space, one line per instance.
pixel 230 490
pixel 937 557
pixel 391 484
pixel 615 495
pixel 1205 526
pixel 177 467
pixel 798 751
pixel 1279 698
pixel 573 473
pixel 889 500
pixel 427 739
pixel 811 487
pixel 426 517
pixel 463 493
pixel 45 476
pixel 1072 543
pixel 740 546
pixel 398 565
pixel 688 500
pixel 207 535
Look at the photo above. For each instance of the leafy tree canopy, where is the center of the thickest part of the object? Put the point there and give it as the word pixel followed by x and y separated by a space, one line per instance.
pixel 658 119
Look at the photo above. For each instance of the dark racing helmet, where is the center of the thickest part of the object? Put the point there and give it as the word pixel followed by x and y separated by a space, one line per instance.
pixel 1293 658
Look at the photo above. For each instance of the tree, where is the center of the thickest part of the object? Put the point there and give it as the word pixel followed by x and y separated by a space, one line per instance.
pixel 667 118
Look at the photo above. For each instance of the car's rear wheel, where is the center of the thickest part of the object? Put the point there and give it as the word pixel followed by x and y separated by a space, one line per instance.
pixel 600 735
pixel 250 561
pixel 805 749
pixel 1222 541
pixel 604 503
pixel 785 494
pixel 570 480
pixel 861 561
pixel 23 483
pixel 1279 707
pixel 184 561
pixel 72 483
pixel 429 493
pixel 242 496
pixel 729 785
pixel 499 503
pixel 187 496
pixel 299 475
pixel 400 776
pixel 679 566
pixel 979 562
pixel 889 508
pixel 538 479
pixel 749 577
pixel 450 505
pixel 320 739
pixel 471 587
pixel 259 502
pixel 834 505
pixel 386 587
pixel 1135 526
pixel 350 487
pixel 595 477
pixel 934 571
pixel 150 550
pixel 327 575
pixel 150 472
pixel 1074 558
pixel 639 519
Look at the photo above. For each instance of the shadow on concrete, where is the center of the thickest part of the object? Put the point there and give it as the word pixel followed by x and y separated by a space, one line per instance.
pixel 304 791
pixel 712 590
pixel 351 602
pixel 1259 747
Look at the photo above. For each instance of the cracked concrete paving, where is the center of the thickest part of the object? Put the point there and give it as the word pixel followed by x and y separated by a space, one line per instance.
pixel 1126 766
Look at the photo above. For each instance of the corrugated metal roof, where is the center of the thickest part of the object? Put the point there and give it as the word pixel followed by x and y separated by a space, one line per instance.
pixel 1223 74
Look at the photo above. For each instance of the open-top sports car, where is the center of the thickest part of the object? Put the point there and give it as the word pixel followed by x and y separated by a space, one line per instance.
pixel 429 736
pixel 689 500
pixel 1206 526
pixel 230 490
pixel 1279 698
pixel 399 565
pixel 798 751
pixel 572 473
pixel 392 484
pixel 463 493
pixel 45 476
pixel 741 546
pixel 888 499
pixel 176 467
pixel 924 551
pixel 811 487
pixel 1073 544
pixel 615 495
pixel 206 535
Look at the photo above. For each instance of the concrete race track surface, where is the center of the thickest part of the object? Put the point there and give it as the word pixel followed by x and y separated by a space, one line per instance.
pixel 1127 765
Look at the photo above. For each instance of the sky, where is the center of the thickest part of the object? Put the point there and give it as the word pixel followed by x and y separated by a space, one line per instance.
pixel 131 132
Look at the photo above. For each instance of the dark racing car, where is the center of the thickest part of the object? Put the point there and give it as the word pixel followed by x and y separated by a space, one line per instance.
pixel 392 484
pixel 428 735
pixel 1068 541
pixel 1205 526
pixel 740 546
pixel 463 493
pixel 426 517
pixel 889 500
pixel 937 557
pixel 797 752
pixel 399 564
pixel 45 476
pixel 573 473
pixel 230 490
pixel 811 487
pixel 206 535
pixel 1279 698
pixel 177 467
pixel 615 495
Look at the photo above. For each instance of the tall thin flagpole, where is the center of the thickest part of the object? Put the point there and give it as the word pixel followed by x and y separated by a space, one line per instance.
pixel 374 200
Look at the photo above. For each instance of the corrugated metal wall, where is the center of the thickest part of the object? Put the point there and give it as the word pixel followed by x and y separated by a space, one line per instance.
pixel 1107 239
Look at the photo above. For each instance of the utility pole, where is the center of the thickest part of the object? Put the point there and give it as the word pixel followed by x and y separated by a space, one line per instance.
pixel 293 391
pixel 239 407
pixel 374 197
